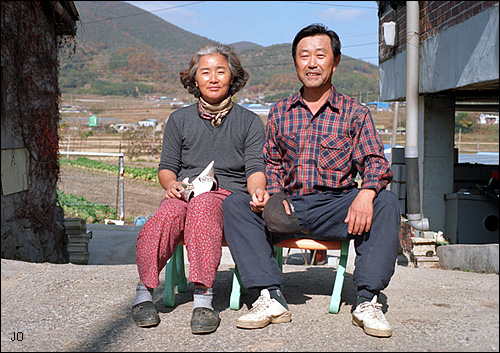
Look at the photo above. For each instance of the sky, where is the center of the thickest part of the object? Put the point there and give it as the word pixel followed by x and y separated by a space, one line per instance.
pixel 274 22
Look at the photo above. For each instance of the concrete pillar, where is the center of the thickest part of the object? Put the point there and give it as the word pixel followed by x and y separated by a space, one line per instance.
pixel 436 158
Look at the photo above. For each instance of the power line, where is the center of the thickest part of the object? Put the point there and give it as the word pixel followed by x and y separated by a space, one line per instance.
pixel 358 45
pixel 331 5
pixel 145 12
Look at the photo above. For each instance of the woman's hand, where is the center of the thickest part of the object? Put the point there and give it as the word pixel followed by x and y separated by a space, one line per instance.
pixel 256 184
pixel 259 199
pixel 175 190
pixel 168 180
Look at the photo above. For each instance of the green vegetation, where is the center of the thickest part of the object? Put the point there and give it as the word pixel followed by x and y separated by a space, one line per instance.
pixel 466 123
pixel 125 89
pixel 82 208
pixel 146 173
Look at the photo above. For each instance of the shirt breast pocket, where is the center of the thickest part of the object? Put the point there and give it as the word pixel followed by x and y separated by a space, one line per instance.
pixel 289 144
pixel 335 153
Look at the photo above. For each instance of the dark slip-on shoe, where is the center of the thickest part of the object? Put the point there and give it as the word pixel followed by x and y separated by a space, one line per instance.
pixel 145 314
pixel 204 320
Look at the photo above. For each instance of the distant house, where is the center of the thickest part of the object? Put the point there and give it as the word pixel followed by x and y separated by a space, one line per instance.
pixel 148 122
pixel 379 106
pixel 32 222
pixel 258 108
pixel 488 119
pixel 124 127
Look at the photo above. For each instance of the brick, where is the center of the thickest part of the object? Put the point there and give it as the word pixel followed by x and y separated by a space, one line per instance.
pixel 424 250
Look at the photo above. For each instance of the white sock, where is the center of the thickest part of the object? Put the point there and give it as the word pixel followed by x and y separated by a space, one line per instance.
pixel 203 298
pixel 143 294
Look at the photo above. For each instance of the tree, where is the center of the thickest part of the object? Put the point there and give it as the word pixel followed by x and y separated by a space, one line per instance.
pixel 141 142
pixel 466 122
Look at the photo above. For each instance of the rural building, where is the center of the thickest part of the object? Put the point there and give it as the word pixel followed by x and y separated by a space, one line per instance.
pixel 379 106
pixel 32 222
pixel 488 119
pixel 148 122
pixel 441 57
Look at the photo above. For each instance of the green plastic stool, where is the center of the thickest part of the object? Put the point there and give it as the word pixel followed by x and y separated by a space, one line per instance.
pixel 308 244
pixel 175 273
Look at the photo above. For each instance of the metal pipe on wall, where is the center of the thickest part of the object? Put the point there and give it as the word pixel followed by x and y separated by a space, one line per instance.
pixel 415 217
pixel 394 128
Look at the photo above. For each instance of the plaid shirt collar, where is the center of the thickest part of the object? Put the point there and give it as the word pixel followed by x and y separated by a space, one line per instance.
pixel 297 99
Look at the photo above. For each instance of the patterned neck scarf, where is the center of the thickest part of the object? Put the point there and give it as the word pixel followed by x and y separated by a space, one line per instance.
pixel 215 112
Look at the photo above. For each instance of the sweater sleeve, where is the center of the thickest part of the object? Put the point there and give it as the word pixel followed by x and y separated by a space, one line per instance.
pixel 253 158
pixel 172 146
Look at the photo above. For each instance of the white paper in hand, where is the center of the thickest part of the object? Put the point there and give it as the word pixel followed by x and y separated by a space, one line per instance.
pixel 202 183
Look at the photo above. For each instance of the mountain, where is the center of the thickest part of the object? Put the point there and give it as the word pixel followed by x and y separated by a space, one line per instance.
pixel 116 24
pixel 124 50
pixel 245 46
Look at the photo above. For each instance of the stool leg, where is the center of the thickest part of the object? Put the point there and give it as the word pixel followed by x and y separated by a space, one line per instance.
pixel 278 255
pixel 237 290
pixel 339 279
pixel 287 255
pixel 304 256
pixel 181 272
pixel 174 276
pixel 313 257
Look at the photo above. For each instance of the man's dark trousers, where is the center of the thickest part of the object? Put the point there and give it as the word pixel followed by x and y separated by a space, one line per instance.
pixel 323 215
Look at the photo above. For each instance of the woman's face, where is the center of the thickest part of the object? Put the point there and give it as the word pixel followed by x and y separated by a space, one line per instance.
pixel 213 78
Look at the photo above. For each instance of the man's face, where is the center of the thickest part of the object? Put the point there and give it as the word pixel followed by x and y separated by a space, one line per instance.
pixel 315 62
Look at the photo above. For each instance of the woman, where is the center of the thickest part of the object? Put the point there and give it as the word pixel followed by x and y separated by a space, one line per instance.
pixel 213 129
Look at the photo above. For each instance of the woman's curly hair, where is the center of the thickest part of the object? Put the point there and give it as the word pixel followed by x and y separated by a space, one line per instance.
pixel 240 76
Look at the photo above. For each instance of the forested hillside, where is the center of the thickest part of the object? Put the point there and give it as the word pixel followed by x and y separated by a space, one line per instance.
pixel 123 50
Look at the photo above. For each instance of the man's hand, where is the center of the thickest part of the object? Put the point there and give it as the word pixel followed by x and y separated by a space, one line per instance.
pixel 259 199
pixel 360 213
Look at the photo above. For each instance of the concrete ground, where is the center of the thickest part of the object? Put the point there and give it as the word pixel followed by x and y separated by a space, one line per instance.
pixel 50 307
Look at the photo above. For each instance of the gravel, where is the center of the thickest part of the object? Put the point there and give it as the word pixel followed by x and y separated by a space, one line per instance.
pixel 53 307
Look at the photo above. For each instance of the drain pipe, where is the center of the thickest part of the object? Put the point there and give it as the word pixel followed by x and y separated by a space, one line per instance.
pixel 411 149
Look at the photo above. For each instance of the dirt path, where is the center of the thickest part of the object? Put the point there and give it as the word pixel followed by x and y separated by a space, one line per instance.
pixel 142 198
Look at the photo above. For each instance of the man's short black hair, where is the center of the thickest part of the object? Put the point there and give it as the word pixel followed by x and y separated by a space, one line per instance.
pixel 314 30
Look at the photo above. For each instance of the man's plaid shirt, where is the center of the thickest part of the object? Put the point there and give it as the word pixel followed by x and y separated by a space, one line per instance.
pixel 307 154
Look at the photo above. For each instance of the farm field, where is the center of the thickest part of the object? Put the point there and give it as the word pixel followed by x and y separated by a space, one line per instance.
pixel 141 198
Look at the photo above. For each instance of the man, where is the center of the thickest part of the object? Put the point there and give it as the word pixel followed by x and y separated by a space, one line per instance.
pixel 317 141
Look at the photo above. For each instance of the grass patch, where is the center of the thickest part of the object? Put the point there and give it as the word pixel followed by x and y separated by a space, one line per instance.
pixel 145 173
pixel 80 207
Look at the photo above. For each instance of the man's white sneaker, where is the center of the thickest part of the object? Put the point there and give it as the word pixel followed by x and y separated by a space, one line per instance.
pixel 370 317
pixel 264 311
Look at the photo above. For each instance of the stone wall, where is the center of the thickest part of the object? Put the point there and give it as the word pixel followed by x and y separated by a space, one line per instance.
pixel 31 221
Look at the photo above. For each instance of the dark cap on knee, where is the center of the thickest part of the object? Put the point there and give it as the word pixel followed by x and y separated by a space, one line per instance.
pixel 276 218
